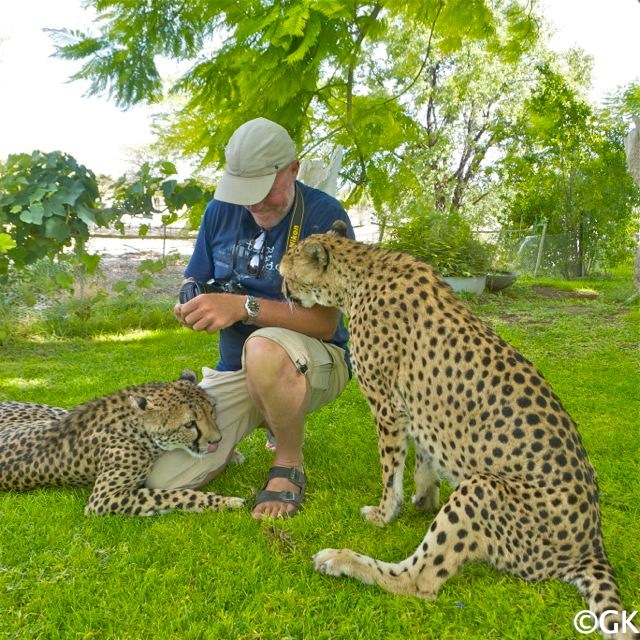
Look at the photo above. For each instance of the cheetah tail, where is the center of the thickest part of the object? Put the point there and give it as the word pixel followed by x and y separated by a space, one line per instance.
pixel 595 579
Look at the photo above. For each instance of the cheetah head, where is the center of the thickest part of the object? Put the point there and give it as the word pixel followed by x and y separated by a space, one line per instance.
pixel 309 274
pixel 179 415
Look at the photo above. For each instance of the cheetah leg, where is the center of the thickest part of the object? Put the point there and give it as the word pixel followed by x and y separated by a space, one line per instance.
pixel 151 502
pixel 392 447
pixel 477 523
pixel 427 495
pixel 119 489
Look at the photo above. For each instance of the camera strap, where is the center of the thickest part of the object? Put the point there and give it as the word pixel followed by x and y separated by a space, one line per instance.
pixel 296 219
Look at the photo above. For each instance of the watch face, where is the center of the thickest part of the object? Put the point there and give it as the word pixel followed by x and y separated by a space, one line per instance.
pixel 253 308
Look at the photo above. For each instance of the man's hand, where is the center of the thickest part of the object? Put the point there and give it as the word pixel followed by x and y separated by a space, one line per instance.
pixel 211 312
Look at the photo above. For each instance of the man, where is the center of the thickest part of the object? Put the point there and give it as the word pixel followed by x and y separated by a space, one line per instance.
pixel 278 361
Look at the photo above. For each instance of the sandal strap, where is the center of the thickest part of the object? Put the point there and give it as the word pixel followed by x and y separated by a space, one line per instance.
pixel 289 497
pixel 294 475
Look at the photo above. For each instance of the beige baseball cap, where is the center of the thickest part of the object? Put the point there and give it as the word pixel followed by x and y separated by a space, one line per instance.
pixel 256 151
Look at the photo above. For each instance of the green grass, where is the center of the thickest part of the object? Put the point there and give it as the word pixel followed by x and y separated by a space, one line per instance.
pixel 224 575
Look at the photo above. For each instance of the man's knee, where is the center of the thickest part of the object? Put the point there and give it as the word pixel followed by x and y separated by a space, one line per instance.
pixel 263 355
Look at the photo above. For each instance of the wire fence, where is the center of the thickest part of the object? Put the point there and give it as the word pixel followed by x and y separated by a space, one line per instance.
pixel 152 231
pixel 532 251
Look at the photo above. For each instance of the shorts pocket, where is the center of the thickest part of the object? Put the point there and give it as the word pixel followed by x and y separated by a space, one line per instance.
pixel 320 376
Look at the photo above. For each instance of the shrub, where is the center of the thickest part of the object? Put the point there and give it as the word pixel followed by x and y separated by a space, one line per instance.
pixel 446 242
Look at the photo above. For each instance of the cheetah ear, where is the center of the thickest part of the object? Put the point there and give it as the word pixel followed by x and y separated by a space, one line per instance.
pixel 317 253
pixel 138 402
pixel 339 228
pixel 189 376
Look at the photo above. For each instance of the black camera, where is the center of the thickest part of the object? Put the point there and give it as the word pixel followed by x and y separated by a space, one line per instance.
pixel 192 289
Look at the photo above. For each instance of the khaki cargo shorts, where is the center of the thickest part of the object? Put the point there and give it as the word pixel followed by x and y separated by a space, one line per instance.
pixel 322 363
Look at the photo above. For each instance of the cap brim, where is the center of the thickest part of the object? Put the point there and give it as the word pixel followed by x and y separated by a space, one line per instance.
pixel 244 191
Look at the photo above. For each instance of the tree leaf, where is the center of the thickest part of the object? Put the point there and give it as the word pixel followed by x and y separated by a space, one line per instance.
pixel 56 228
pixel 120 286
pixel 33 215
pixel 6 242
pixel 90 262
pixel 144 282
pixel 64 280
pixel 85 214
pixel 53 207
pixel 38 194
pixel 168 168
pixel 70 193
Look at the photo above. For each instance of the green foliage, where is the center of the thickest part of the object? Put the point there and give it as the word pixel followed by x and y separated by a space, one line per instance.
pixel 6 242
pixel 47 203
pixel 65 297
pixel 103 313
pixel 26 291
pixel 626 101
pixel 568 168
pixel 153 189
pixel 332 71
pixel 148 270
pixel 446 242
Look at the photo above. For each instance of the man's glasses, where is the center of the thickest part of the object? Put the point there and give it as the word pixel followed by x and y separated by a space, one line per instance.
pixel 258 248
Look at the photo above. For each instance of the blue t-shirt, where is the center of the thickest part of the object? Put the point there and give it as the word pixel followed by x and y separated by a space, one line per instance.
pixel 226 245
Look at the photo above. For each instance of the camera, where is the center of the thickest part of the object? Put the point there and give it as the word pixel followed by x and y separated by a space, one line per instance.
pixel 192 289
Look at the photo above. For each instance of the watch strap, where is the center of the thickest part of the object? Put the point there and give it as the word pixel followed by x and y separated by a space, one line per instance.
pixel 252 307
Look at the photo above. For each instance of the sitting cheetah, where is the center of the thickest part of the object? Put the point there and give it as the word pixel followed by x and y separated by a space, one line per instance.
pixel 111 443
pixel 480 415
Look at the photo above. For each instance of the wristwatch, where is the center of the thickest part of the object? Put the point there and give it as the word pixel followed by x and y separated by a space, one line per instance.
pixel 252 307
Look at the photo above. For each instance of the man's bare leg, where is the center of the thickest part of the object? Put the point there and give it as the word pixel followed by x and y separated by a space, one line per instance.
pixel 281 393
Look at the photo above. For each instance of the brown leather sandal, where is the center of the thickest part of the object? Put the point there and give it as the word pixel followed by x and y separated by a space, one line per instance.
pixel 294 476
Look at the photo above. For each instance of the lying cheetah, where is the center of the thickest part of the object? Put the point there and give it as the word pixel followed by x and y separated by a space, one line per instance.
pixel 111 443
pixel 479 414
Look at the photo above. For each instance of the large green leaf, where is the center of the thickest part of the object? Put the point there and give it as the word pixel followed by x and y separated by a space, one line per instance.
pixel 56 229
pixel 70 193
pixel 53 207
pixel 6 242
pixel 85 214
pixel 33 215
pixel 38 194
pixel 168 168
pixel 90 262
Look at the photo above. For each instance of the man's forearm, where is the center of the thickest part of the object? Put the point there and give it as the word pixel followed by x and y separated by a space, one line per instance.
pixel 317 322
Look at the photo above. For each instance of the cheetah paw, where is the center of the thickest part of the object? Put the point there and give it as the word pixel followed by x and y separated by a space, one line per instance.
pixel 374 515
pixel 231 502
pixel 236 458
pixel 343 562
pixel 427 503
pixel 327 562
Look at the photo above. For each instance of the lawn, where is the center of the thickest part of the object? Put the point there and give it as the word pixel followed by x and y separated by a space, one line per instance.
pixel 224 575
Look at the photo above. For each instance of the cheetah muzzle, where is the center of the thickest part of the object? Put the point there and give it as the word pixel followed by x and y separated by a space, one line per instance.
pixel 479 414
pixel 111 443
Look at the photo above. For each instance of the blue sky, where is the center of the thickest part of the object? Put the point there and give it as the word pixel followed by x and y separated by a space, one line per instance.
pixel 40 109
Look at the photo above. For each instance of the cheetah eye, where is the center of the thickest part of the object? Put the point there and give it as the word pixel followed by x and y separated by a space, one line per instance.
pixel 191 425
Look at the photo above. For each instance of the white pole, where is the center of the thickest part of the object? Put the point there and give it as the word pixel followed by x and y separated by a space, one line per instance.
pixel 540 247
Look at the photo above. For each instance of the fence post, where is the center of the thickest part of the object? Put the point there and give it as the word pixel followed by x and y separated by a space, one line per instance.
pixel 540 247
